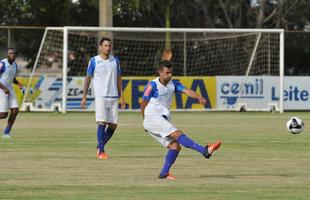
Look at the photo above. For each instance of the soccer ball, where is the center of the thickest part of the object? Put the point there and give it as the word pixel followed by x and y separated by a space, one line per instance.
pixel 295 125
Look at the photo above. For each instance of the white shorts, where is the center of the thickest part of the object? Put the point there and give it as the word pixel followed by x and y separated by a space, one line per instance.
pixel 7 101
pixel 106 109
pixel 159 128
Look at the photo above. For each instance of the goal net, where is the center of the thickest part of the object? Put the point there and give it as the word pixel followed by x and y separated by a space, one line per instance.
pixel 244 62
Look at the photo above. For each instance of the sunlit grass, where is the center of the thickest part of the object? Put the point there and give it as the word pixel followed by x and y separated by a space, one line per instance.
pixel 52 156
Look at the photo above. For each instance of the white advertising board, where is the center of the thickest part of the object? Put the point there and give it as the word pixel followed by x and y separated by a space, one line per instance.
pixel 260 91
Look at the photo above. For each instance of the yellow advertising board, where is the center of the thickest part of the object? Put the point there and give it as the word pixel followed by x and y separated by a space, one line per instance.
pixel 44 91
pixel 133 88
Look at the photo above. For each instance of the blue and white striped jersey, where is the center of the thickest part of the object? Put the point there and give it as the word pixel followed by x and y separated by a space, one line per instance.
pixel 160 97
pixel 7 73
pixel 104 74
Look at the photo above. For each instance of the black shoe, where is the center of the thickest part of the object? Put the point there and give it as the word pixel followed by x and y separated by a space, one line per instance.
pixel 206 154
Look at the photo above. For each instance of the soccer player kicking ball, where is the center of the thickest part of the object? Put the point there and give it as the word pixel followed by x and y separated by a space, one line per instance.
pixel 8 72
pixel 104 69
pixel 155 107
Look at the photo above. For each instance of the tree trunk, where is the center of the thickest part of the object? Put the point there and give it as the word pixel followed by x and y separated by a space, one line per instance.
pixel 228 20
pixel 260 15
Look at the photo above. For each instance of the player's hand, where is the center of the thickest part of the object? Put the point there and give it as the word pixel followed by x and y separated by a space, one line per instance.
pixel 20 85
pixel 123 104
pixel 202 100
pixel 83 102
pixel 6 91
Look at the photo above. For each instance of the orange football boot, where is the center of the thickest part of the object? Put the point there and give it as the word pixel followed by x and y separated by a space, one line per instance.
pixel 167 176
pixel 211 148
pixel 102 155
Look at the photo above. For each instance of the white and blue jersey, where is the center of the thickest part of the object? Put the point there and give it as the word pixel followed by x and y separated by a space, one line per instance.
pixel 160 97
pixel 7 74
pixel 104 74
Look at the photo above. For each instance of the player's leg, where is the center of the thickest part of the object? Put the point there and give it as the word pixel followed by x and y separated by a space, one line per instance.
pixel 171 156
pixel 3 115
pixel 11 120
pixel 187 142
pixel 159 128
pixel 4 106
pixel 112 117
pixel 7 102
pixel 101 118
pixel 110 131
pixel 101 134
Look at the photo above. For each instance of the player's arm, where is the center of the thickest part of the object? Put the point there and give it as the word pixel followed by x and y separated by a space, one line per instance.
pixel 143 106
pixel 87 80
pixel 120 86
pixel 179 87
pixel 6 91
pixel 147 95
pixel 2 69
pixel 16 82
pixel 120 91
pixel 195 95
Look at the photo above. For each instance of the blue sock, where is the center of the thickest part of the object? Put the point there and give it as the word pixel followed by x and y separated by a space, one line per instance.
pixel 7 130
pixel 170 158
pixel 109 134
pixel 189 143
pixel 101 134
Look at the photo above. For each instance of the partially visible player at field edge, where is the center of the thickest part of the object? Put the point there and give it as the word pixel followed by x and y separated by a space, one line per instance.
pixel 105 71
pixel 8 72
pixel 155 109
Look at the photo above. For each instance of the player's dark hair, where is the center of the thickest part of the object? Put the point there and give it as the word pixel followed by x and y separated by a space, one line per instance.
pixel 104 39
pixel 164 63
pixel 11 49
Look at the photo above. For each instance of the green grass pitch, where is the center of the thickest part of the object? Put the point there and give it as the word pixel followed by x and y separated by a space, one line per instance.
pixel 52 156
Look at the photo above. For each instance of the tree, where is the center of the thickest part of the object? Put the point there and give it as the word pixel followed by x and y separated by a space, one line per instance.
pixel 164 8
pixel 42 13
pixel 287 14
pixel 262 13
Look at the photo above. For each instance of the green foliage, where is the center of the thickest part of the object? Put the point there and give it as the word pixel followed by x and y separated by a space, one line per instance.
pixel 297 53
pixel 43 13
pixel 287 14
pixel 49 13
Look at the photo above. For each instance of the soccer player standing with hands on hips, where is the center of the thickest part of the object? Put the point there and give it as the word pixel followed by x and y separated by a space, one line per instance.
pixel 155 109
pixel 8 72
pixel 105 71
